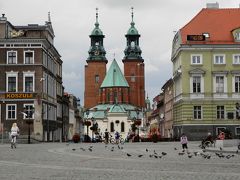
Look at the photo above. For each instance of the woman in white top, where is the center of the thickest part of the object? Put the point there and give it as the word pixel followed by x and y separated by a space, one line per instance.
pixel 14 134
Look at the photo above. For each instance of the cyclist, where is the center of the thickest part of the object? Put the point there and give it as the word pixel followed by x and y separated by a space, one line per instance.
pixel 206 141
pixel 14 134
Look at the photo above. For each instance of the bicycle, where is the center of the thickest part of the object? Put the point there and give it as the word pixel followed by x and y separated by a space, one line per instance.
pixel 206 144
pixel 112 140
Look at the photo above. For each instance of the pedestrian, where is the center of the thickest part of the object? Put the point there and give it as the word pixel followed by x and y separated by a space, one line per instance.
pixel 221 135
pixel 117 136
pixel 106 136
pixel 14 133
pixel 184 142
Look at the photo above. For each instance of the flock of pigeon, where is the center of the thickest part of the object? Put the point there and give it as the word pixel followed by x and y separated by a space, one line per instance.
pixel 154 154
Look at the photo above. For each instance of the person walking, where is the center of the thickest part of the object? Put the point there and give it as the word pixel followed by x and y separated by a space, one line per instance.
pixel 117 136
pixel 14 133
pixel 106 136
pixel 184 142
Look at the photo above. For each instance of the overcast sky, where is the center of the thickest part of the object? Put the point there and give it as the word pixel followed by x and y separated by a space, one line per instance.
pixel 73 21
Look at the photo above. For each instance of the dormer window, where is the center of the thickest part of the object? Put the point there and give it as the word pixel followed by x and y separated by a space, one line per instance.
pixel 237 36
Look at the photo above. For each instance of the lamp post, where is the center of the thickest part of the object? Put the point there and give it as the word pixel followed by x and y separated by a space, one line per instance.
pixel 93 127
pixel 87 123
pixel 138 123
pixel 29 114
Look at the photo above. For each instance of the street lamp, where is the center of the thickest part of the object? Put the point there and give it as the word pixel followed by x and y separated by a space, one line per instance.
pixel 93 127
pixel 28 112
pixel 138 122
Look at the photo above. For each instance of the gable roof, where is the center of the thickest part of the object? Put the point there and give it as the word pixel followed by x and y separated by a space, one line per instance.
pixel 114 77
pixel 219 23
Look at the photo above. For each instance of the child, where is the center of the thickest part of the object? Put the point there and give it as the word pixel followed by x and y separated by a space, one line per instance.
pixel 184 142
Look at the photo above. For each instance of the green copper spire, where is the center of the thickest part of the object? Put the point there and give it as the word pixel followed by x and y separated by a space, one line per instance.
pixel 132 30
pixel 97 51
pixel 114 77
pixel 132 51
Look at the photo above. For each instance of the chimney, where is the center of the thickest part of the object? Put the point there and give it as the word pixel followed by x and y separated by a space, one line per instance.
pixel 3 18
pixel 213 5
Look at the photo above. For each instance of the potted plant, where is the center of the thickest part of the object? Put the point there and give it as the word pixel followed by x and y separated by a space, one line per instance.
pixel 76 138
pixel 155 137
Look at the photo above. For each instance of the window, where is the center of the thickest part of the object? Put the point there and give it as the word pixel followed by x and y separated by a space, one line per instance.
pixel 132 78
pixel 196 59
pixel 12 57
pixel 236 59
pixel 197 112
pixel 219 59
pixel 220 112
pixel 237 36
pixel 237 84
pixel 28 84
pixel 96 78
pixel 11 84
pixel 29 111
pixel 219 84
pixel 196 84
pixel 115 97
pixel 111 127
pixel 11 111
pixel 29 57
pixel 122 127
pixel 237 131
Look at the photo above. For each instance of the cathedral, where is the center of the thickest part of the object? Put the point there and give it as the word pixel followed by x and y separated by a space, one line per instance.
pixel 113 100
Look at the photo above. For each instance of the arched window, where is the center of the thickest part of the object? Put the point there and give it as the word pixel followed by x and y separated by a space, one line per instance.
pixel 112 127
pixel 122 127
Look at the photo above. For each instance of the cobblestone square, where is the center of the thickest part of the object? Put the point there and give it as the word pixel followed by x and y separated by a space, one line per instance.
pixel 97 161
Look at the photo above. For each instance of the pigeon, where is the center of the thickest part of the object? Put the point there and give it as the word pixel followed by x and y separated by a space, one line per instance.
pixel 189 156
pixel 150 155
pixel 154 152
pixel 73 149
pixel 105 146
pixel 220 148
pixel 82 149
pixel 175 149
pixel 119 147
pixel 160 156
pixel 129 155
pixel 208 157
pixel 156 156
pixel 228 156
pixel 236 151
pixel 90 149
pixel 195 153
pixel 140 155
pixel 164 153
pixel 181 153
pixel 203 150
pixel 146 150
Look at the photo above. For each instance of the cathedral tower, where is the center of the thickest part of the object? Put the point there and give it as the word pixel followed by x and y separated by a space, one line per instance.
pixel 134 67
pixel 95 70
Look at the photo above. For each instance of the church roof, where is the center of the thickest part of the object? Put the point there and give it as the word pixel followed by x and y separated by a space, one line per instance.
pixel 114 77
pixel 101 111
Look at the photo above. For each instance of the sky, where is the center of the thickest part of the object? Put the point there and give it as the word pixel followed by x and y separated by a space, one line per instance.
pixel 73 20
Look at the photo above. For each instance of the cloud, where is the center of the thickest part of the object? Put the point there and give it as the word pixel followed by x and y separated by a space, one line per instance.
pixel 74 20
